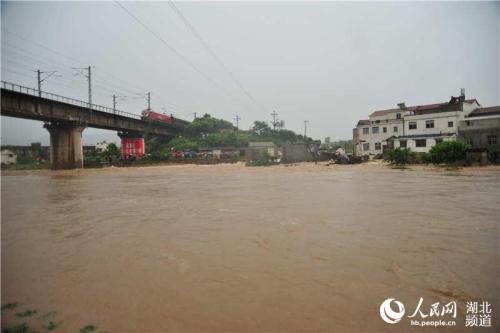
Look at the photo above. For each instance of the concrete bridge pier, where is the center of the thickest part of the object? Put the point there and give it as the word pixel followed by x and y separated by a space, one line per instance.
pixel 132 145
pixel 66 151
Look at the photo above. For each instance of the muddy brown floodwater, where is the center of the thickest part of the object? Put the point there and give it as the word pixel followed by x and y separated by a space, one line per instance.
pixel 231 248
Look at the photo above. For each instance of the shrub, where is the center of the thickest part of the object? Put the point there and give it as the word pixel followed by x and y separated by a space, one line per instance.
pixel 182 144
pixel 264 159
pixel 448 152
pixel 92 162
pixel 401 156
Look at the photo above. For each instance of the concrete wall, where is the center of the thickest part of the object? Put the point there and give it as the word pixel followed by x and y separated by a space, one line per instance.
pixel 440 123
pixel 296 152
pixel 429 143
pixel 475 131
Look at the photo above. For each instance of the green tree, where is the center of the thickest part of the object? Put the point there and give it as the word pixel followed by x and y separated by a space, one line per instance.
pixel 264 159
pixel 157 148
pixel 448 152
pixel 261 128
pixel 400 156
pixel 206 125
pixel 183 144
pixel 112 149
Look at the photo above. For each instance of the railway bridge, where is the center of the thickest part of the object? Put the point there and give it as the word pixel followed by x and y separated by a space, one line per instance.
pixel 66 118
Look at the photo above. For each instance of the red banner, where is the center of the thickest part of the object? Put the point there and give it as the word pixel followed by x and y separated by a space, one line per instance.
pixel 132 147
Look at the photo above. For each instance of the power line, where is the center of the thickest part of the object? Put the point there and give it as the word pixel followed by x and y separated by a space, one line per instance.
pixel 207 47
pixel 103 87
pixel 15 72
pixel 171 48
pixel 74 60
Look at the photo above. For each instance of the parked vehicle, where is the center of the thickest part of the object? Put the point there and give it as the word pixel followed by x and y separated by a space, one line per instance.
pixel 150 115
pixel 175 153
pixel 190 154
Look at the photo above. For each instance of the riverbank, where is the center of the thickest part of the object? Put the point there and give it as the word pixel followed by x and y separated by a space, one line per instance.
pixel 297 167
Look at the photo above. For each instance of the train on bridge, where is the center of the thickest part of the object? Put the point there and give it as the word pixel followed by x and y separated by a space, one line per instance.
pixel 150 115
pixel 132 145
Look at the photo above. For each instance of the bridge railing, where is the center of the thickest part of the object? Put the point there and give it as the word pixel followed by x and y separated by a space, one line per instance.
pixel 35 92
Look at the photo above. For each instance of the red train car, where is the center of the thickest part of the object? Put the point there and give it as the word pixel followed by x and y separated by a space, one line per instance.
pixel 151 115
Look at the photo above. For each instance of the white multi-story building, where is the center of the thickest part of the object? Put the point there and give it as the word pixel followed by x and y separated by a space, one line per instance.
pixel 416 127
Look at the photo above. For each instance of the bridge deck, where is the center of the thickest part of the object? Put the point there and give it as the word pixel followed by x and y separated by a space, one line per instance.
pixel 23 102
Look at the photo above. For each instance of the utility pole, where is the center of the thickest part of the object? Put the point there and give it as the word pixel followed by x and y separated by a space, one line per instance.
pixel 40 79
pixel 39 83
pixel 274 114
pixel 89 79
pixel 194 115
pixel 149 101
pixel 237 122
pixel 114 103
pixel 305 128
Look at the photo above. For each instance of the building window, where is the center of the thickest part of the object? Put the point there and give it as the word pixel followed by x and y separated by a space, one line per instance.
pixel 492 140
pixel 377 146
pixel 395 129
pixel 439 141
pixel 450 124
pixel 374 130
pixel 398 115
pixel 366 146
pixel 384 129
pixel 402 143
pixel 429 124
pixel 412 125
pixel 366 130
pixel 420 143
pixel 377 121
pixel 469 123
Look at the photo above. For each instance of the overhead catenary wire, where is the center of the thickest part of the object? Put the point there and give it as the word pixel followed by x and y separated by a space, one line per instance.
pixel 68 79
pixel 217 59
pixel 174 50
pixel 80 62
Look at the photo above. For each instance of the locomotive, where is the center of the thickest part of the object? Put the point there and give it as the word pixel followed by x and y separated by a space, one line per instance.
pixel 150 115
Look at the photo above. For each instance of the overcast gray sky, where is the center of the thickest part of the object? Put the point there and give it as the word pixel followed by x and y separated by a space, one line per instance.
pixel 330 63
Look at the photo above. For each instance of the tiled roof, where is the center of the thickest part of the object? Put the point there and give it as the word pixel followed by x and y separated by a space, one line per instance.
pixel 385 112
pixel 452 105
pixel 492 110
pixel 470 101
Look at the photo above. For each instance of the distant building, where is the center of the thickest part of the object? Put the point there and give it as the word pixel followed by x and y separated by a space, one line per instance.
pixel 481 129
pixel 255 149
pixel 33 151
pixel 8 157
pixel 220 152
pixel 101 146
pixel 417 127
pixel 89 150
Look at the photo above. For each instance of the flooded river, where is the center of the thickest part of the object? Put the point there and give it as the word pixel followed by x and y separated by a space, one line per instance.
pixel 231 248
